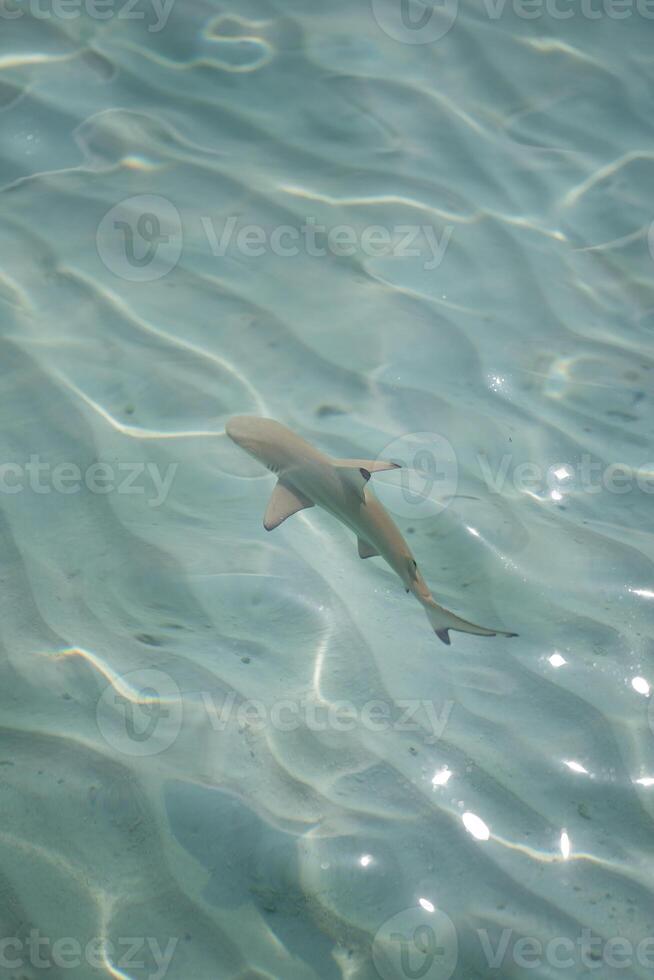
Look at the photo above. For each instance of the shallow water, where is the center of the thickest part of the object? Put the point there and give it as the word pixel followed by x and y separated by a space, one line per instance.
pixel 246 751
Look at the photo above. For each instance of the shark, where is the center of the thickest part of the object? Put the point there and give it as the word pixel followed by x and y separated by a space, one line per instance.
pixel 307 477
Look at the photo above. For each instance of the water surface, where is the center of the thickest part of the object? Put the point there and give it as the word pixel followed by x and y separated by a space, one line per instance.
pixel 503 791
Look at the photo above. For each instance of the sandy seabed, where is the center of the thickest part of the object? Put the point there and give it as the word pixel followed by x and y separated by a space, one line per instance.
pixel 248 752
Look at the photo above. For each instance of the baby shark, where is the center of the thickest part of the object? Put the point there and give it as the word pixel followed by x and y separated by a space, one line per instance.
pixel 308 478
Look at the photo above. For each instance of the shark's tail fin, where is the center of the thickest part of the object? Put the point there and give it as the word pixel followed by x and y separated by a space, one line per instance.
pixel 443 620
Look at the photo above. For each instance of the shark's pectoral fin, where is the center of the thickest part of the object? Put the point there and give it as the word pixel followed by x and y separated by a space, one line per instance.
pixel 366 550
pixel 370 465
pixel 284 502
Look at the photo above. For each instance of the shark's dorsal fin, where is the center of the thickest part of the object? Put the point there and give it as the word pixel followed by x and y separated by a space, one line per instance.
pixel 366 550
pixel 370 465
pixel 283 502
pixel 357 472
pixel 354 477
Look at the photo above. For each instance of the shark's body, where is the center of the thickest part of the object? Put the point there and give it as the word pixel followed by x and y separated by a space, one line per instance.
pixel 307 478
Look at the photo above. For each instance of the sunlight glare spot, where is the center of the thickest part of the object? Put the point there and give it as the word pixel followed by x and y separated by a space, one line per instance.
pixel 575 766
pixel 640 685
pixel 441 778
pixel 475 826
pixel 643 593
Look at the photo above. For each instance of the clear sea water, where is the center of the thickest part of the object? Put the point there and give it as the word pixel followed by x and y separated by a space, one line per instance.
pixel 403 231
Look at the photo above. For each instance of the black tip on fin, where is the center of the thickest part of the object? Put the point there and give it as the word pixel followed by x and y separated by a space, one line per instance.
pixel 511 634
pixel 364 473
pixel 444 636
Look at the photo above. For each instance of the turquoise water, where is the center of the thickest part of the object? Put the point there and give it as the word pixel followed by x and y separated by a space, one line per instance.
pixel 421 239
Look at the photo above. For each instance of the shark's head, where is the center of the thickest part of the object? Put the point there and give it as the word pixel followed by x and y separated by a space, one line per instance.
pixel 262 438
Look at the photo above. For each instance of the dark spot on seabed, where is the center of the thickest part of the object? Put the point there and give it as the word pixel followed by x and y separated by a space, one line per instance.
pixel 150 641
pixel 324 411
pixel 623 416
